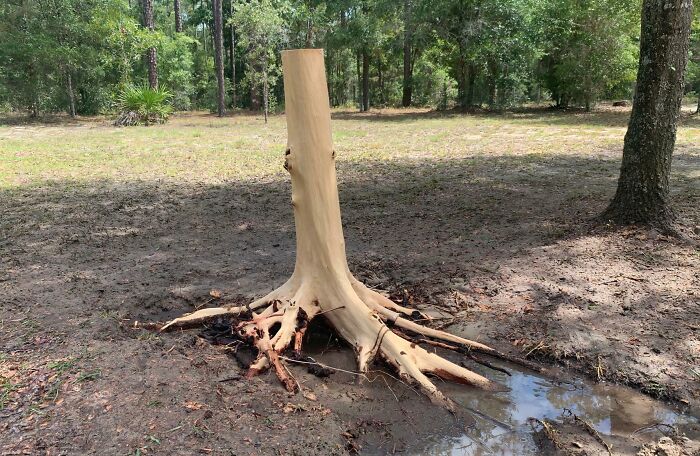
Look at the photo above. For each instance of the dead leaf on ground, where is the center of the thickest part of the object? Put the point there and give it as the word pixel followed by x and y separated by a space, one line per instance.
pixel 192 405
pixel 291 408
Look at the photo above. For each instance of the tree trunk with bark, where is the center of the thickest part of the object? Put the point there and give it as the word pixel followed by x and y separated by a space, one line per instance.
pixel 36 90
pixel 178 16
pixel 365 81
pixel 407 54
pixel 491 81
pixel 71 94
pixel 471 83
pixel 151 53
pixel 380 82
pixel 233 61
pixel 643 187
pixel 266 90
pixel 322 283
pixel 461 78
pixel 219 57
pixel 358 68
pixel 466 79
pixel 152 58
pixel 309 33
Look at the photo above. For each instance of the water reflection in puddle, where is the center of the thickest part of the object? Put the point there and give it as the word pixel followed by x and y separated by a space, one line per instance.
pixel 501 426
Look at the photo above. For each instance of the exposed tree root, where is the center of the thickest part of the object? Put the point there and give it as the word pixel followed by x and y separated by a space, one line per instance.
pixel 468 353
pixel 369 321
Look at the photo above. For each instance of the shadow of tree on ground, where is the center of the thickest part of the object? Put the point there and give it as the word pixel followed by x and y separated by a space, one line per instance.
pixel 503 242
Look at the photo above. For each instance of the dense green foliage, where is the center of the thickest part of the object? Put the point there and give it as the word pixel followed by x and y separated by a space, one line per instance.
pixel 438 53
pixel 148 106
pixel 261 32
pixel 591 49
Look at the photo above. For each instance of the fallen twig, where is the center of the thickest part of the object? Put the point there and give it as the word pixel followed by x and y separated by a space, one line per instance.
pixel 540 346
pixel 673 429
pixel 329 310
pixel 359 374
pixel 599 368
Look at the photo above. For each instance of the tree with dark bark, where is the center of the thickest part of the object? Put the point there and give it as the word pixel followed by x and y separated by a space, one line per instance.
pixel 232 59
pixel 642 195
pixel 693 73
pixel 407 82
pixel 151 53
pixel 361 29
pixel 71 93
pixel 364 107
pixel 178 16
pixel 219 57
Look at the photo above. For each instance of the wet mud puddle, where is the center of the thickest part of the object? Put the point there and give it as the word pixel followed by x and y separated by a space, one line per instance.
pixel 502 425
pixel 387 417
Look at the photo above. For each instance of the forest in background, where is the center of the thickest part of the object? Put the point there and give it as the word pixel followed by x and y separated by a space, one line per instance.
pixel 78 56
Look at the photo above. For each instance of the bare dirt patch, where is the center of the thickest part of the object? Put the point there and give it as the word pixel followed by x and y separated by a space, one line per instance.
pixel 497 243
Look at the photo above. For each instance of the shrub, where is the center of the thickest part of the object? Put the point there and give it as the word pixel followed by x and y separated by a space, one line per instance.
pixel 143 105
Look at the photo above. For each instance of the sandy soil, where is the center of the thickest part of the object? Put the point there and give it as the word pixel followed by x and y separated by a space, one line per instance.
pixel 501 246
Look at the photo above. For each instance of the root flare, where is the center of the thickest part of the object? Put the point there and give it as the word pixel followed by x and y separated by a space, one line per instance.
pixel 279 321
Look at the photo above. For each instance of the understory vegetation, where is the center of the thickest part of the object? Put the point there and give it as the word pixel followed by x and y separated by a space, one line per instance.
pixel 143 106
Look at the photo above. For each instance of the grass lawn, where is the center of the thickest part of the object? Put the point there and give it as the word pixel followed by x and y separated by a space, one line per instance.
pixel 199 147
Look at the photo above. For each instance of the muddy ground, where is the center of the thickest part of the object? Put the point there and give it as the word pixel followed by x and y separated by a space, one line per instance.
pixel 502 248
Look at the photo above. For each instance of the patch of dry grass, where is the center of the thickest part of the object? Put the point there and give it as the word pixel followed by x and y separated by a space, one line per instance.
pixel 198 147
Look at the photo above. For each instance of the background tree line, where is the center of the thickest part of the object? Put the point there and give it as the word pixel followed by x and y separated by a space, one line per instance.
pixel 79 55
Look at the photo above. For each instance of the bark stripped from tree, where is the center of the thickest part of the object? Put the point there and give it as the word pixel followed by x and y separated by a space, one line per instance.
pixel 219 57
pixel 151 53
pixel 643 187
pixel 322 283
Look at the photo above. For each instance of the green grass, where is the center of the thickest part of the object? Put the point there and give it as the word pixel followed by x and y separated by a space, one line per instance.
pixel 198 147
pixel 63 366
pixel 6 389
pixel 89 376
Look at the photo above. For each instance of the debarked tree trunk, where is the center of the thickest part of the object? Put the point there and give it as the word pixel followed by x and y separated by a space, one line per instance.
pixel 322 283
